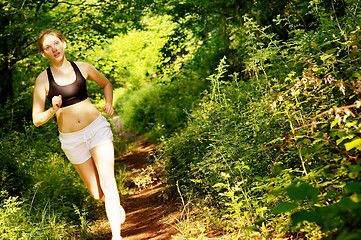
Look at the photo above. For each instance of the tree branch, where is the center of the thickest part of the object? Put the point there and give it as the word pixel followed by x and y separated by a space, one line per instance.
pixel 77 4
pixel 338 24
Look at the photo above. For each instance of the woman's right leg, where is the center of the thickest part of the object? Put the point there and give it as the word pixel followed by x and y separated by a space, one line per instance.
pixel 89 174
pixel 103 156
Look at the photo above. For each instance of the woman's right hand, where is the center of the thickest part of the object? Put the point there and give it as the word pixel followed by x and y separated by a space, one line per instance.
pixel 56 102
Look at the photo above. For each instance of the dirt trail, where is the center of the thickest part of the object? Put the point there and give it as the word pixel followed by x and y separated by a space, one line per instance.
pixel 148 215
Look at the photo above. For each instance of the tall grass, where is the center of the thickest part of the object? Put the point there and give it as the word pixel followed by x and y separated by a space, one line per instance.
pixel 17 221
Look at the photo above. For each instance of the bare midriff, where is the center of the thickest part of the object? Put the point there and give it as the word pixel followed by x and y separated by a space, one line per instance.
pixel 75 117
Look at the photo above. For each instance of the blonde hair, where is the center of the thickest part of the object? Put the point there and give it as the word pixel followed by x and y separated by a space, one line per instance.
pixel 47 32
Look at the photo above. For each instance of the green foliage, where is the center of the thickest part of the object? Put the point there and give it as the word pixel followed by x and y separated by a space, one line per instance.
pixel 40 183
pixel 16 221
pixel 270 137
pixel 130 60
pixel 153 103
pixel 218 143
pixel 319 107
pixel 155 109
pixel 302 147
pixel 83 23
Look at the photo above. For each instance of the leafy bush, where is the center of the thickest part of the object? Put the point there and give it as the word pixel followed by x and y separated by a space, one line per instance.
pixel 321 107
pixel 296 154
pixel 221 140
pixel 156 109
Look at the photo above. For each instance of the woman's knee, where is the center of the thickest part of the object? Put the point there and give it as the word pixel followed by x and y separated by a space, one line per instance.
pixel 109 187
pixel 98 197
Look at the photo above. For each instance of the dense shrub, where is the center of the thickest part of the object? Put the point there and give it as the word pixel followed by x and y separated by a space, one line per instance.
pixel 283 146
pixel 158 109
pixel 220 136
pixel 271 137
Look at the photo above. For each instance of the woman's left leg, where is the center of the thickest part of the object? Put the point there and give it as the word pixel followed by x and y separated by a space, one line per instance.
pixel 103 156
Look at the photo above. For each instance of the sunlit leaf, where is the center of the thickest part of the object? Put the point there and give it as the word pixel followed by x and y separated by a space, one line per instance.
pixel 354 143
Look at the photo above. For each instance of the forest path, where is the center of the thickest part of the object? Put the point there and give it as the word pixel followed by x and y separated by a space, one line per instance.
pixel 148 214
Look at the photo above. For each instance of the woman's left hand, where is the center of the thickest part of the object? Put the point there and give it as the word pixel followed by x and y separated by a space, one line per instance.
pixel 108 109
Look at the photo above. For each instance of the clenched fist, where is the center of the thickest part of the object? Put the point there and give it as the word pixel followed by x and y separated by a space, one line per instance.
pixel 108 109
pixel 56 101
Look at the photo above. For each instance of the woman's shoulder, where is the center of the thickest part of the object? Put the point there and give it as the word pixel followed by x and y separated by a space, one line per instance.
pixel 42 81
pixel 84 68
pixel 83 65
pixel 42 77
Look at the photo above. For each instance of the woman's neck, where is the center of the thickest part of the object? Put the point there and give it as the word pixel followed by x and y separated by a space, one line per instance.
pixel 61 65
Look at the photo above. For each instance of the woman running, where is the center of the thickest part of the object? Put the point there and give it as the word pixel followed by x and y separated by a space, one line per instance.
pixel 85 135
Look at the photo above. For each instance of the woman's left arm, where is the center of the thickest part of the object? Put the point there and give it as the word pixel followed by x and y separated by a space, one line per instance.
pixel 93 74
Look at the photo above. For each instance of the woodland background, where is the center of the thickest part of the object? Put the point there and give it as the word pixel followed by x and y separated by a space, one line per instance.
pixel 256 104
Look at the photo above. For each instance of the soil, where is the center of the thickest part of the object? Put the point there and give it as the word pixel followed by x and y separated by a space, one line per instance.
pixel 148 216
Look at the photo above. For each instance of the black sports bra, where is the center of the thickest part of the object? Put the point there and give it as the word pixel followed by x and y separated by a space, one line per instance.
pixel 71 93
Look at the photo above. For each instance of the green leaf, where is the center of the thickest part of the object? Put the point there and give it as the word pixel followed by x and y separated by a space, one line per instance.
pixel 355 168
pixel 305 216
pixel 341 133
pixel 312 149
pixel 315 69
pixel 284 207
pixel 325 57
pixel 334 122
pixel 354 143
pixel 344 138
pixel 348 204
pixel 353 187
pixel 302 192
pixel 356 75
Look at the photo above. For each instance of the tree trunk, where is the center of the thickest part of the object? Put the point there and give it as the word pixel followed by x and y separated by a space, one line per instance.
pixel 6 76
pixel 6 84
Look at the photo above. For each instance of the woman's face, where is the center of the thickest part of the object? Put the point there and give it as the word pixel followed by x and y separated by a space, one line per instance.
pixel 53 48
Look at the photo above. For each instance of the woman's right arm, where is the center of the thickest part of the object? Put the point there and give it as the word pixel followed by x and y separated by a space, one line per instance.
pixel 40 116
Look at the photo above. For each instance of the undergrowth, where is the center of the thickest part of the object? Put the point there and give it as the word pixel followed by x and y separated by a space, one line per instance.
pixel 279 150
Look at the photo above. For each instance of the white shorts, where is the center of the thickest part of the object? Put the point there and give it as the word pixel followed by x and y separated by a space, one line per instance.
pixel 77 145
